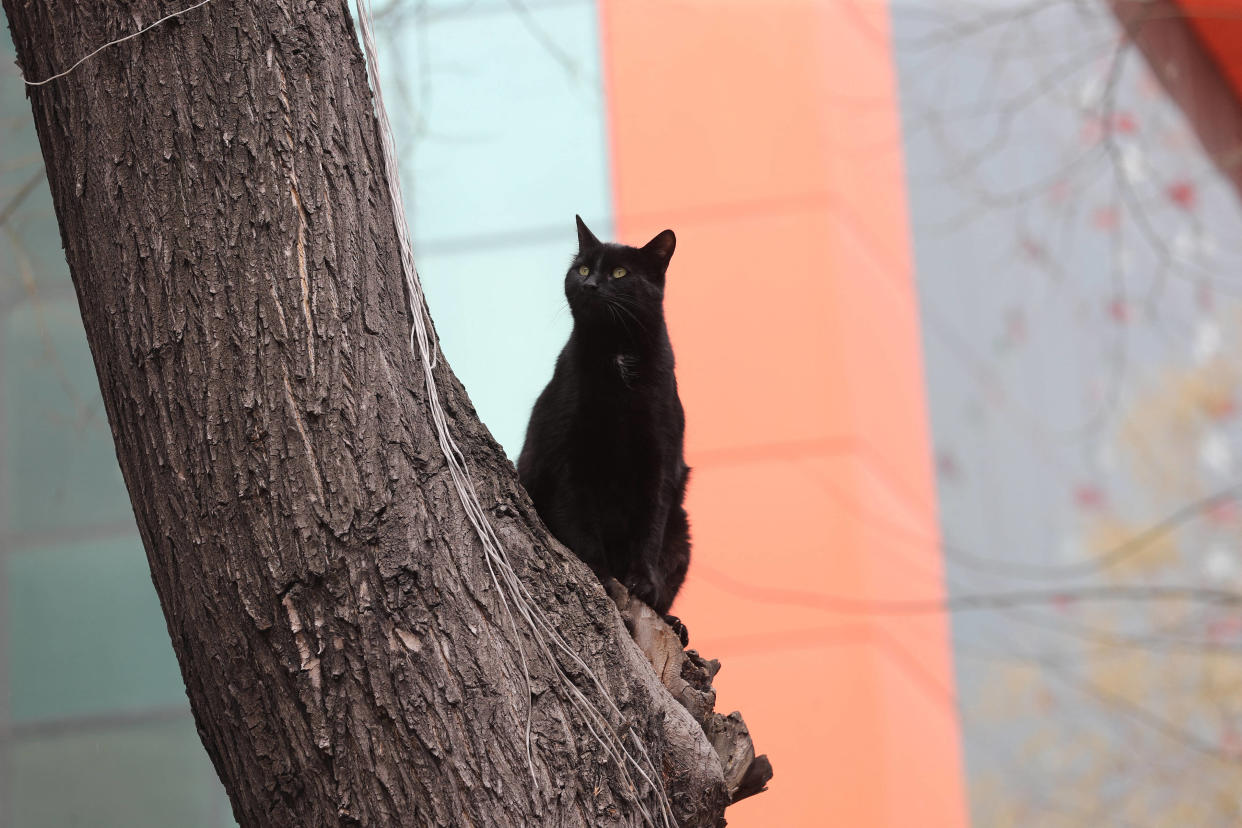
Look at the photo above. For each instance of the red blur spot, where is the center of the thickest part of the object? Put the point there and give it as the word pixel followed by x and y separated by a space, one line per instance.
pixel 1106 218
pixel 1089 496
pixel 1182 193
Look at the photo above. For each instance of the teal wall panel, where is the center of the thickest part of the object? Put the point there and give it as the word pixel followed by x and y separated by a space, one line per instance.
pixel 500 123
pixel 61 466
pixel 150 775
pixel 502 318
pixel 86 634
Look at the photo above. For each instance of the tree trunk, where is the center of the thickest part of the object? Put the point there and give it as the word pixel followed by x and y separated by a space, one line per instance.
pixel 225 214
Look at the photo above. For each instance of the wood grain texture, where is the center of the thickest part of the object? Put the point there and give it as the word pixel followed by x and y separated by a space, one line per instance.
pixel 226 221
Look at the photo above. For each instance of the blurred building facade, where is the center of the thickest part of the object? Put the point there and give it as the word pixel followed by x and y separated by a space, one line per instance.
pixel 954 315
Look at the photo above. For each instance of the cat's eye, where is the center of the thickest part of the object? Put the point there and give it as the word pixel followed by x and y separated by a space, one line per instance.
pixel 584 271
pixel 618 273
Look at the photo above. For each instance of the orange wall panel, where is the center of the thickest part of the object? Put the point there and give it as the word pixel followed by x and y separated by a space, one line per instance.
pixel 767 135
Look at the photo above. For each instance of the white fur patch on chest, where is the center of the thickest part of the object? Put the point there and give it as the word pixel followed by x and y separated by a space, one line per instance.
pixel 625 367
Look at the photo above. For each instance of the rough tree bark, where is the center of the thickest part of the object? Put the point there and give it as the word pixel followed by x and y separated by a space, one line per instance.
pixel 225 216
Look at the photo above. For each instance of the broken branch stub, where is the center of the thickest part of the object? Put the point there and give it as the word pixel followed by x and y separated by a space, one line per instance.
pixel 688 677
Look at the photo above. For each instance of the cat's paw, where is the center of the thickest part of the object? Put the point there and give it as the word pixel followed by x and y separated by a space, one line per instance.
pixel 644 591
pixel 682 633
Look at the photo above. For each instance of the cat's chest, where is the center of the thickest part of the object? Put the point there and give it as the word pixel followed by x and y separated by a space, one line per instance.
pixel 612 412
pixel 616 380
pixel 620 389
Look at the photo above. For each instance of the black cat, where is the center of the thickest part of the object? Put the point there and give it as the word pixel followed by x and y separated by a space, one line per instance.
pixel 603 456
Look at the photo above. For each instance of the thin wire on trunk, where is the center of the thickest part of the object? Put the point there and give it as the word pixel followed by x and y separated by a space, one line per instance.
pixel 90 55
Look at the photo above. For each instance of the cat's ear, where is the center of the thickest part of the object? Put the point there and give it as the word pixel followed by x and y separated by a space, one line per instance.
pixel 586 239
pixel 661 248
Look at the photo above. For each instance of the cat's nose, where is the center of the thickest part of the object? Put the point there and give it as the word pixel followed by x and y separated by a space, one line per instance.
pixel 591 285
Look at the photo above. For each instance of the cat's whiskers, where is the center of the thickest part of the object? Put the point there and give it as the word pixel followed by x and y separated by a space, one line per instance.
pixel 615 311
pixel 621 306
